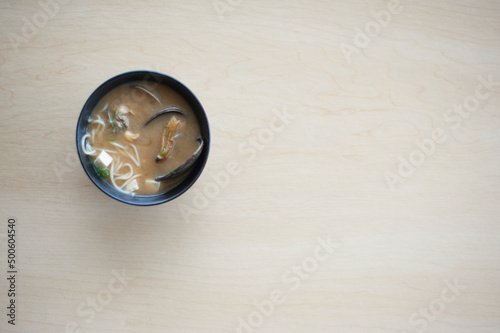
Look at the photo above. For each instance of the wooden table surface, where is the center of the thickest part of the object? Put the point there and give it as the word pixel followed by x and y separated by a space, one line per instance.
pixel 353 183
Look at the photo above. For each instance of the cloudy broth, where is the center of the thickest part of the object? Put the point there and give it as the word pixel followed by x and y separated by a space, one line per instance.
pixel 130 153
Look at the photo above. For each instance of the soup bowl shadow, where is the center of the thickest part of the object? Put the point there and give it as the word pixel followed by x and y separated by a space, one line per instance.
pixel 155 78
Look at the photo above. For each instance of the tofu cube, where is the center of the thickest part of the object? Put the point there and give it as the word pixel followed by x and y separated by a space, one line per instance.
pixel 153 184
pixel 103 160
pixel 132 186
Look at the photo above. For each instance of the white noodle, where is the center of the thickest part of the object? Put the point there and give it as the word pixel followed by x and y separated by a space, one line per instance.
pixel 128 175
pixel 137 161
pixel 131 179
pixel 133 159
pixel 107 150
pixel 86 147
pixel 111 176
pixel 100 122
pixel 110 120
pixel 148 92
pixel 118 145
pixel 120 164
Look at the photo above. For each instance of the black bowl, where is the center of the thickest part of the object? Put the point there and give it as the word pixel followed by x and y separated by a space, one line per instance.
pixel 146 76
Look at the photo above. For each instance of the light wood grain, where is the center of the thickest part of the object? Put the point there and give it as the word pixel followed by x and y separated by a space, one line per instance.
pixel 322 176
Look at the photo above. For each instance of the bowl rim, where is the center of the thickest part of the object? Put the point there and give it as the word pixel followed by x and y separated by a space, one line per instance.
pixel 176 85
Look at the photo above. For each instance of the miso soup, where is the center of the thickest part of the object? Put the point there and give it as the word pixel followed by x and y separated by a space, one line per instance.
pixel 142 138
